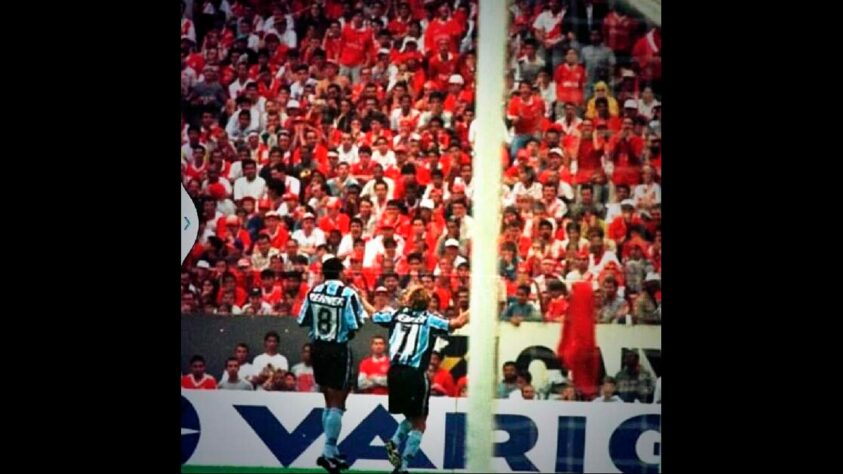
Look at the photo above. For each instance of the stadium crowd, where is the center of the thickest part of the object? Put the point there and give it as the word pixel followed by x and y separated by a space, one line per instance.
pixel 270 371
pixel 340 128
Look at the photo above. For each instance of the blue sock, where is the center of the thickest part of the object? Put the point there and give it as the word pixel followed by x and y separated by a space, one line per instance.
pixel 325 430
pixel 331 424
pixel 413 443
pixel 401 433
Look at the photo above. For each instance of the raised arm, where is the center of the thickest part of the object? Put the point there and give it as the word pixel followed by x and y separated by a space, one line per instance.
pixel 459 321
pixel 366 305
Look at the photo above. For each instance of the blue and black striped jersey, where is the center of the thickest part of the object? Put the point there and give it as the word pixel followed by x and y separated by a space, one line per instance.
pixel 332 311
pixel 412 335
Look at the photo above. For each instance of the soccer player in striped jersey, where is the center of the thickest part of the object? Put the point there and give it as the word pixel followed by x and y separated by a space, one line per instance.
pixel 412 336
pixel 333 313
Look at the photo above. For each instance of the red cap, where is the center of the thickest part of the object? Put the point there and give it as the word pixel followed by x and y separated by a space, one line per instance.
pixel 265 203
pixel 583 253
pixel 457 188
pixel 217 190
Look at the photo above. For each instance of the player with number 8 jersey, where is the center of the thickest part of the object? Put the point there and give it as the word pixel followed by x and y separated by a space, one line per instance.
pixel 333 313
pixel 412 336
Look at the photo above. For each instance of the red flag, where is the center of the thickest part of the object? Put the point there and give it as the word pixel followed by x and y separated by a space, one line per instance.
pixel 577 349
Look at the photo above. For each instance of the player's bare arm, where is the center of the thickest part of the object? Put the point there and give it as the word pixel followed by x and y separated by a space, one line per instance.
pixel 459 321
pixel 361 295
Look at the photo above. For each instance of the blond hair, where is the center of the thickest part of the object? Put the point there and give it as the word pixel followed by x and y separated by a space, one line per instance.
pixel 416 297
